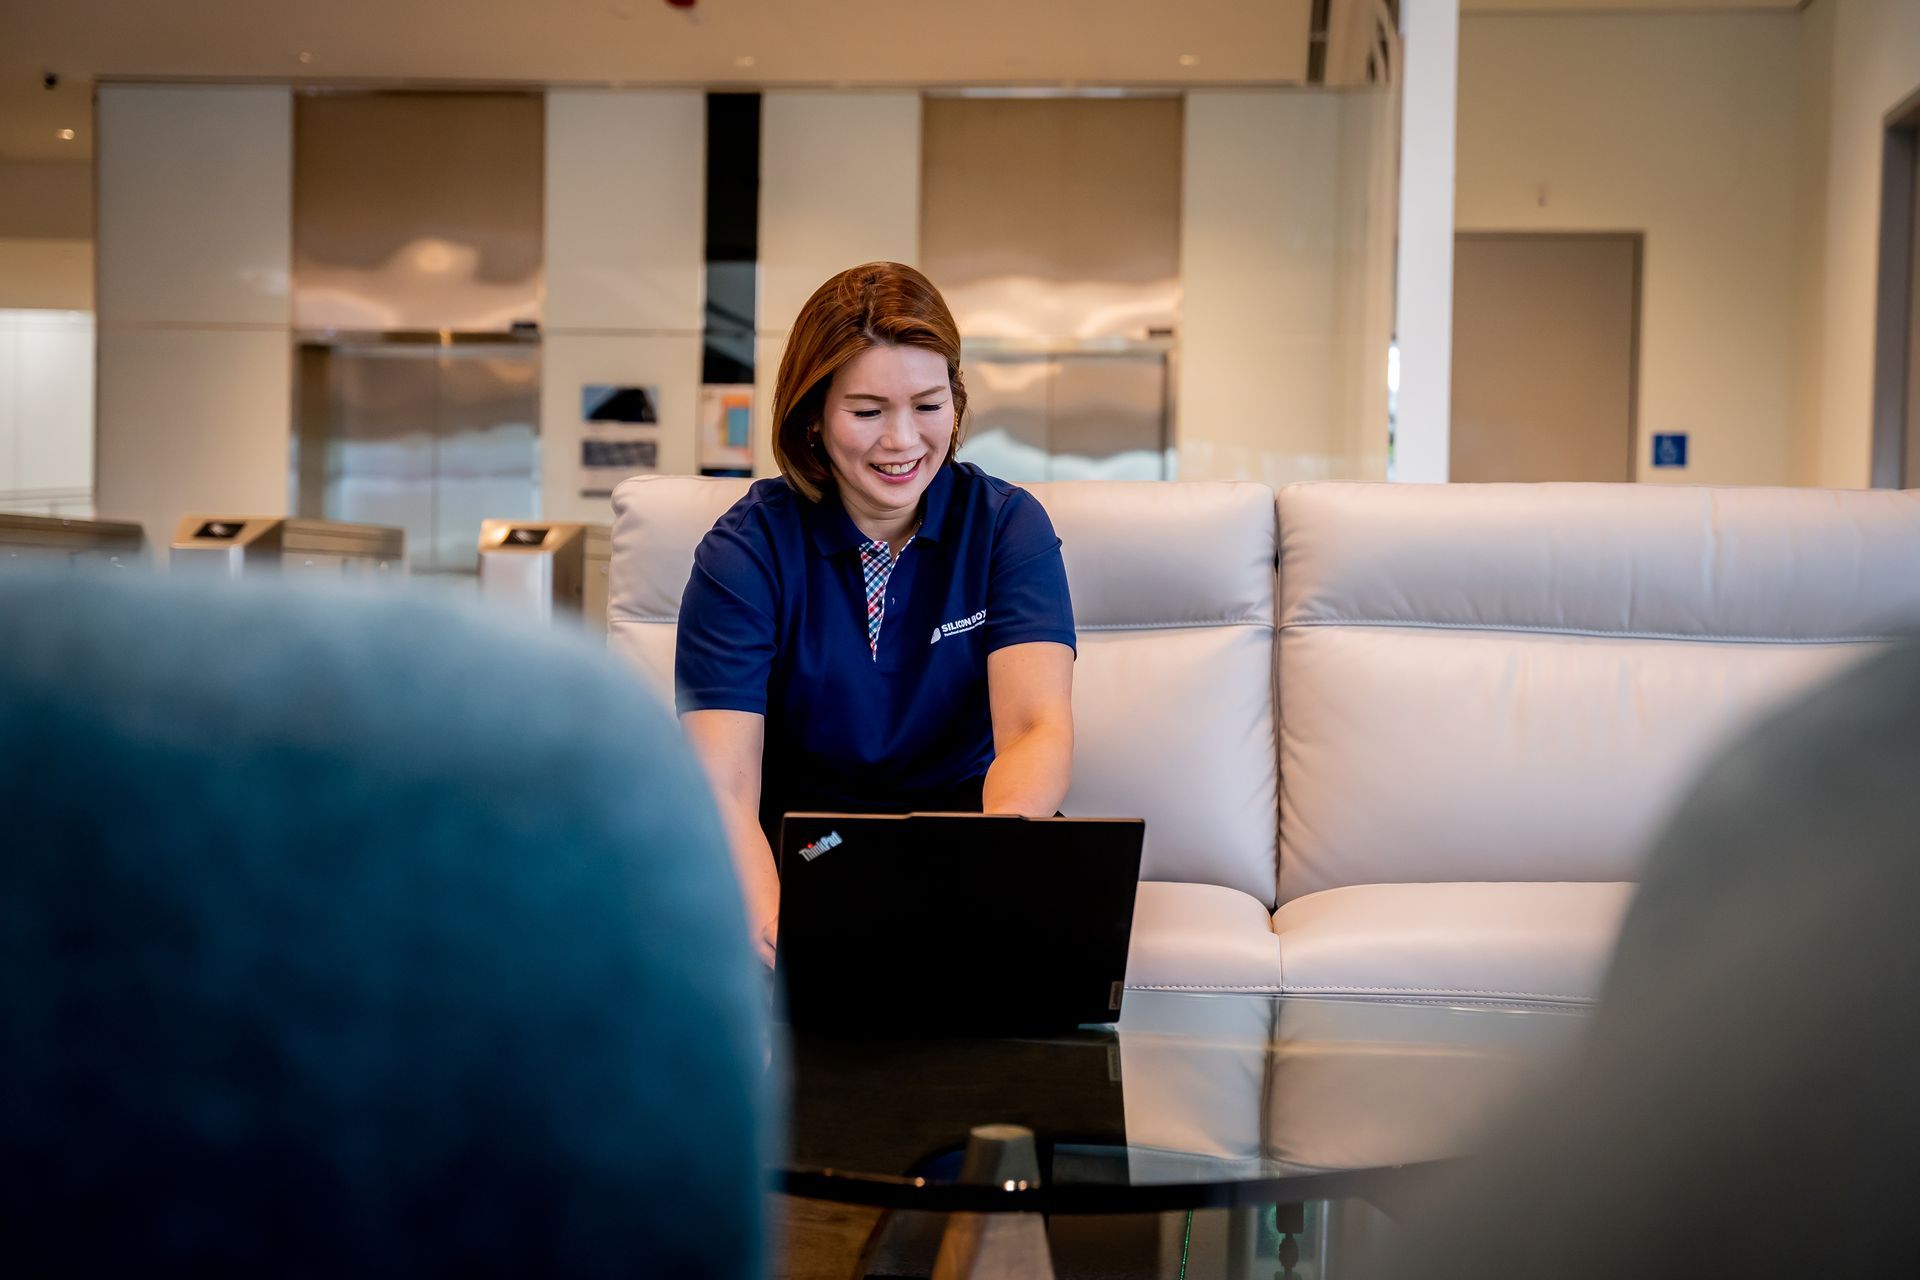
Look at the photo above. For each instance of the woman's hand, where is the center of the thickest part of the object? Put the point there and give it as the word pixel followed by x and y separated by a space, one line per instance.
pixel 729 744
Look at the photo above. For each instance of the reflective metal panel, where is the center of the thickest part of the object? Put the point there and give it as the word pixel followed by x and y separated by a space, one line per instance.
pixel 430 438
pixel 1109 418
pixel 1070 414
pixel 1007 414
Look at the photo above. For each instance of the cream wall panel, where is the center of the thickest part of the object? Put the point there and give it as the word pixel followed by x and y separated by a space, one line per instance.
pixel 192 420
pixel 1682 126
pixel 766 374
pixel 839 186
pixel 569 361
pixel 625 211
pixel 1810 238
pixel 195 204
pixel 53 447
pixel 46 274
pixel 1275 255
pixel 9 405
pixel 1875 67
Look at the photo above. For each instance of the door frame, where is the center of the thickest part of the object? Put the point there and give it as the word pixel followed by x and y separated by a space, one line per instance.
pixel 1894 323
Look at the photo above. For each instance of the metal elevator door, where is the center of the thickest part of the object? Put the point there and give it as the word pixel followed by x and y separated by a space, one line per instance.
pixel 1067 415
pixel 433 438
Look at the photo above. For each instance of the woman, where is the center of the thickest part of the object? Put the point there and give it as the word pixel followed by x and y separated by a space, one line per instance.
pixel 880 629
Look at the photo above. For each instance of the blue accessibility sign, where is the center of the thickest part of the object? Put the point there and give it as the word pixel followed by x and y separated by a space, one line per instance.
pixel 1670 450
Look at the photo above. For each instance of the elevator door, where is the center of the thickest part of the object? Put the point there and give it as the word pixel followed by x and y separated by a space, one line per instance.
pixel 1067 415
pixel 1544 354
pixel 431 438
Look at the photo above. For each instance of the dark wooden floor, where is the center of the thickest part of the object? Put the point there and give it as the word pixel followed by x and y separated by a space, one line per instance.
pixel 818 1240
pixel 815 1239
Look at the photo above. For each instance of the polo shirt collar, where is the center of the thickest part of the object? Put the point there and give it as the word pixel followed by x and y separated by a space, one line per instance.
pixel 832 530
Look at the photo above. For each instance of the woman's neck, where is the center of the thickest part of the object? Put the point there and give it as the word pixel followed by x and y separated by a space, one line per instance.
pixel 892 529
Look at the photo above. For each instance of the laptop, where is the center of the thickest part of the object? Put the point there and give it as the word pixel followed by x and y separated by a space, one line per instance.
pixel 976 922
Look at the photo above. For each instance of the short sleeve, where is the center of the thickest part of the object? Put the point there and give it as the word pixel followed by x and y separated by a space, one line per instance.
pixel 723 655
pixel 1027 596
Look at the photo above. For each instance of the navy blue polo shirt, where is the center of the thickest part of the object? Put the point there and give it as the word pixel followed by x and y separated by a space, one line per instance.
pixel 774 621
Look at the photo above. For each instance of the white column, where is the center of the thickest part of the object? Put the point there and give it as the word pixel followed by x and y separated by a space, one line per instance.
pixel 625 264
pixel 839 186
pixel 1430 34
pixel 195 243
pixel 1258 234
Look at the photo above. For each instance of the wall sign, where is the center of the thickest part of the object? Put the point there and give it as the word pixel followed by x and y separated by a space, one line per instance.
pixel 1670 449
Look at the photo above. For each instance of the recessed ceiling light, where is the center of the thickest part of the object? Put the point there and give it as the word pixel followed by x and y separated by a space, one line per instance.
pixel 65 135
pixel 305 56
pixel 1189 59
pixel 744 60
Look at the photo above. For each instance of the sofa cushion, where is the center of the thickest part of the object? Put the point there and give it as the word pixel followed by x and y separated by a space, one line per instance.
pixel 1483 943
pixel 1514 682
pixel 1201 937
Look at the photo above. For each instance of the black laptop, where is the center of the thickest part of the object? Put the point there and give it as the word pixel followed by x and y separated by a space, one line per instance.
pixel 973 922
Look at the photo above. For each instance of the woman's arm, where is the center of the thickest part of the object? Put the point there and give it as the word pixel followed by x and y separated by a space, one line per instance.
pixel 1030 693
pixel 729 744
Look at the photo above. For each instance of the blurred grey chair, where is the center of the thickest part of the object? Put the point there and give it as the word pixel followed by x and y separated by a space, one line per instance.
pixel 1746 1105
pixel 349 938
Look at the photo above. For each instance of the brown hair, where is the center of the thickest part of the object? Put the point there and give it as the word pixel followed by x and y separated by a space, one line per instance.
pixel 877 304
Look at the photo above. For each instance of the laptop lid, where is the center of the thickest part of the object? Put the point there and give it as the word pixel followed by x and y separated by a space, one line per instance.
pixel 974 921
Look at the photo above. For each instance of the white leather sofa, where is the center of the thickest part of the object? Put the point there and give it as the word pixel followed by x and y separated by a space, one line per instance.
pixel 1400 741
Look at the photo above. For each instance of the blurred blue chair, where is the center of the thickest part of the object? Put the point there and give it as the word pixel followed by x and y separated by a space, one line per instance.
pixel 347 937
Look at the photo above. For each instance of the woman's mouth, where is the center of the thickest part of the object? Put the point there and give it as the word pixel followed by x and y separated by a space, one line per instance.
pixel 897 472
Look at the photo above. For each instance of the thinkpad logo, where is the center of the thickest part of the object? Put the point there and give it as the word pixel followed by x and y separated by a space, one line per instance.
pixel 831 840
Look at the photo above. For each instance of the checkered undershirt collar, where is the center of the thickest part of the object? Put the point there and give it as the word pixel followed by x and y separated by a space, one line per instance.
pixel 877 563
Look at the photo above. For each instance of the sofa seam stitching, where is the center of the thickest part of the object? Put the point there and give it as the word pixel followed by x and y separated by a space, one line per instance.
pixel 1411 624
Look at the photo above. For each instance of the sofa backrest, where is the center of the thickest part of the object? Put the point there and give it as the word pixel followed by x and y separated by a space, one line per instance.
pixel 1515 682
pixel 1173 689
pixel 1173 593
pixel 657 522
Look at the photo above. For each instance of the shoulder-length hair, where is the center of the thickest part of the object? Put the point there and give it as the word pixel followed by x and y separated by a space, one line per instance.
pixel 877 304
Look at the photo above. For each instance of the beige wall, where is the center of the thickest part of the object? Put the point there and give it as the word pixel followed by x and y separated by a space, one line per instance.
pixel 194 254
pixel 839 186
pixel 46 199
pixel 1285 260
pixel 53 275
pixel 1684 127
pixel 1875 66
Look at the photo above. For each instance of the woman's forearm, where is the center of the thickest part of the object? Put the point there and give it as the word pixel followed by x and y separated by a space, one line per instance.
pixel 1031 774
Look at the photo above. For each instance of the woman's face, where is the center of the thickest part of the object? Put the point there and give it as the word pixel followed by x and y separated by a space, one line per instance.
pixel 886 425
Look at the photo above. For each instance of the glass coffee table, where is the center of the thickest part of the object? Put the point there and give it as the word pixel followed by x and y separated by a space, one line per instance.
pixel 1192 1102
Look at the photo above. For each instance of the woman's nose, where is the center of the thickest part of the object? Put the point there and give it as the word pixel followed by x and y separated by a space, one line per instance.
pixel 900 429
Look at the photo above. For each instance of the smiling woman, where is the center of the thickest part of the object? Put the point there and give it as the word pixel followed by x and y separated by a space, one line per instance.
pixel 810 671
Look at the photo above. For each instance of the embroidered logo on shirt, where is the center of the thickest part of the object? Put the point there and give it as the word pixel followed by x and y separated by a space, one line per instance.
pixel 958 625
pixel 831 840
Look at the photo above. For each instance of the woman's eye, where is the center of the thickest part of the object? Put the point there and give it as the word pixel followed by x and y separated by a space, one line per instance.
pixel 931 408
pixel 866 413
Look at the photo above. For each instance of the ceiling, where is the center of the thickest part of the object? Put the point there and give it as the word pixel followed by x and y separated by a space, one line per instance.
pixel 717 43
